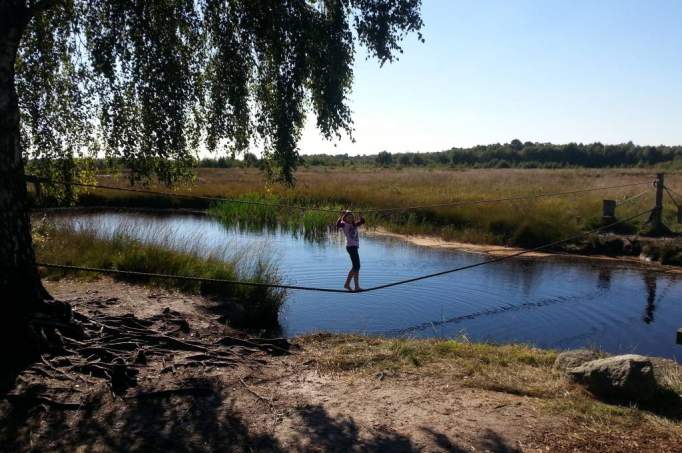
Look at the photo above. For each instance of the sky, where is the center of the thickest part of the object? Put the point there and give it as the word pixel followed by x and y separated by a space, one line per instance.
pixel 537 70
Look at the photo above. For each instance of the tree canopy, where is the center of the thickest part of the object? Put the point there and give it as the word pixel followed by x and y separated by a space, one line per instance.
pixel 151 82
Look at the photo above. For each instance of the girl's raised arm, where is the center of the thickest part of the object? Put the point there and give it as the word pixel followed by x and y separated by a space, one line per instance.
pixel 361 221
pixel 339 221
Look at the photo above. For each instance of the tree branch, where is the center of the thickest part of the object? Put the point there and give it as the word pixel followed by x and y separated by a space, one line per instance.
pixel 43 5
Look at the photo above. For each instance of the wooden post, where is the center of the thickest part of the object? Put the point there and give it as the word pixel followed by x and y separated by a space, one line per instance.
pixel 608 211
pixel 656 226
pixel 657 213
pixel 679 336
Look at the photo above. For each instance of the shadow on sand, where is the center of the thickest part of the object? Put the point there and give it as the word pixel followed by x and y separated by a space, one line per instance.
pixel 201 419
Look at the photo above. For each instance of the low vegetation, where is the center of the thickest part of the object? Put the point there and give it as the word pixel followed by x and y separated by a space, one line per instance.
pixel 519 223
pixel 82 246
pixel 516 369
pixel 259 212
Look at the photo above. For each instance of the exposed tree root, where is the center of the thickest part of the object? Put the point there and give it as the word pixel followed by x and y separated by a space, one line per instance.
pixel 110 350
pixel 256 394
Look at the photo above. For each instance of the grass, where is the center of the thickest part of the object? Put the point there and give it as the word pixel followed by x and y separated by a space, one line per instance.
pixel 312 224
pixel 160 254
pixel 521 223
pixel 510 368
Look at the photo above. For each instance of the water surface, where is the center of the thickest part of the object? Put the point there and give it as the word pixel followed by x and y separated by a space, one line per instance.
pixel 553 302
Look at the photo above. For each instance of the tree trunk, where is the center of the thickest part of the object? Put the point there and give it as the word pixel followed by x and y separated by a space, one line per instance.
pixel 21 291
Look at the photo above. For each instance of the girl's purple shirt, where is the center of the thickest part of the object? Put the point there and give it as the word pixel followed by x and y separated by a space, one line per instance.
pixel 351 231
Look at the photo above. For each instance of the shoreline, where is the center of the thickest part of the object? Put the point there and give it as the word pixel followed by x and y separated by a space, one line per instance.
pixel 502 251
pixel 415 239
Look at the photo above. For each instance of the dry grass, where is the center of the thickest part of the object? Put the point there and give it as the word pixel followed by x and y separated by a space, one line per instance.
pixel 521 223
pixel 514 369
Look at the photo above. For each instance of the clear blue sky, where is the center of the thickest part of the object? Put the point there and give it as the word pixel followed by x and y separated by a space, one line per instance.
pixel 539 70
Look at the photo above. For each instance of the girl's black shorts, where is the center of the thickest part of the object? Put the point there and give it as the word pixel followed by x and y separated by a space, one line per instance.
pixel 354 257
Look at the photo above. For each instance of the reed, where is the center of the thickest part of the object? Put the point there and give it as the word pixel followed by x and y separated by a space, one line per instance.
pixel 312 224
pixel 160 253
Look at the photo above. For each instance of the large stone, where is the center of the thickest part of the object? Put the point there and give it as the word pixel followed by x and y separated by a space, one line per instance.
pixel 572 359
pixel 625 377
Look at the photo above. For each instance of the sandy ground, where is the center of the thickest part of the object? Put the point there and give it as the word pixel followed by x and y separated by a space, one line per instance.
pixel 270 403
pixel 495 251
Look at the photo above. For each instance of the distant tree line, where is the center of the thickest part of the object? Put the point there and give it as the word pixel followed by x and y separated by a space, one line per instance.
pixel 248 160
pixel 516 154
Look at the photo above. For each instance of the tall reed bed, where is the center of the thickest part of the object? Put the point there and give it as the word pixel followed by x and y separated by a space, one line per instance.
pixel 312 224
pixel 158 250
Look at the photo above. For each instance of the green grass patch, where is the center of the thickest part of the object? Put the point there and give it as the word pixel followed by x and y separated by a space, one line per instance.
pixel 83 247
pixel 271 212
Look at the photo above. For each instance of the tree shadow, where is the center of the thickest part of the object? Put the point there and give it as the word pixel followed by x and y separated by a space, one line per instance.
pixel 196 416
pixel 489 441
pixel 194 420
pixel 319 431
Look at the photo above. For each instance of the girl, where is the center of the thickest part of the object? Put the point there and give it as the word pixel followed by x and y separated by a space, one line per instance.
pixel 350 229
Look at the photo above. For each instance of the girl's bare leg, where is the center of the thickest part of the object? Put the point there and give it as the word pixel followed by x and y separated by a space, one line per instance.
pixel 356 278
pixel 350 275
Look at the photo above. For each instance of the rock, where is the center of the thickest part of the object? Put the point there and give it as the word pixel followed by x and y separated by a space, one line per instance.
pixel 611 245
pixel 668 373
pixel 625 377
pixel 575 358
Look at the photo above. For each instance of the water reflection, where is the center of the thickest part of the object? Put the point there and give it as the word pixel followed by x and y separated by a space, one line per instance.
pixel 529 274
pixel 604 278
pixel 650 284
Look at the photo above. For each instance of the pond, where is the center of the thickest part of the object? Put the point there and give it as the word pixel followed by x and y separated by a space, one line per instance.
pixel 549 302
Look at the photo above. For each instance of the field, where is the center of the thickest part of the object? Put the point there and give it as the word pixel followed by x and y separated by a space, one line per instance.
pixel 525 223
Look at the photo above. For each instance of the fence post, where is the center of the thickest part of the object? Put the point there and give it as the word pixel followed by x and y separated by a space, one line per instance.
pixel 608 211
pixel 657 214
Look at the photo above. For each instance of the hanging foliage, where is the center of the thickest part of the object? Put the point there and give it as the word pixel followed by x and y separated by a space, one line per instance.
pixel 153 82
